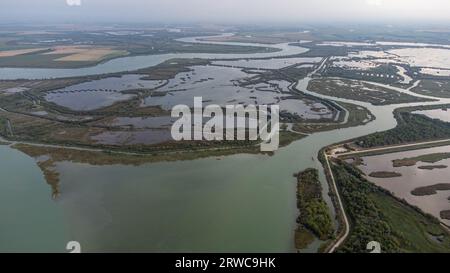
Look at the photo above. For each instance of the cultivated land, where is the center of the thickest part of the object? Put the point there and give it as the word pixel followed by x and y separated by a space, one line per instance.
pixel 55 49
pixel 12 53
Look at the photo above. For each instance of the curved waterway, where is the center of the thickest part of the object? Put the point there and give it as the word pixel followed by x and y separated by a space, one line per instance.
pixel 137 62
pixel 240 203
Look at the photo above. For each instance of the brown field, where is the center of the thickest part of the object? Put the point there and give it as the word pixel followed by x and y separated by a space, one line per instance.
pixel 88 54
pixel 64 50
pixel 12 53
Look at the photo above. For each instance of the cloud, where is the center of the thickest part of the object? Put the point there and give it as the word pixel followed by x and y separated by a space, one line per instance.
pixel 73 2
pixel 228 11
pixel 374 2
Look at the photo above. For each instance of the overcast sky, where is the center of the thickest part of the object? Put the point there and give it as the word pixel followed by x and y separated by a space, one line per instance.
pixel 231 11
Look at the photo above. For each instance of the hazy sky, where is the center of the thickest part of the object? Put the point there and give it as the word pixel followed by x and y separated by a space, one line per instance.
pixel 225 10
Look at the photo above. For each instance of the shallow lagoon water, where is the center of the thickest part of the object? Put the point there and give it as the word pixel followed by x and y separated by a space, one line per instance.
pixel 220 85
pixel 148 137
pixel 122 83
pixel 143 122
pixel 31 220
pixel 201 205
pixel 412 178
pixel 99 93
pixel 268 63
pixel 239 203
pixel 440 114
pixel 87 100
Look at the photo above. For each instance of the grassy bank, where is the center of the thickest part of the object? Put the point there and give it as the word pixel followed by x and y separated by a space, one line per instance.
pixel 410 128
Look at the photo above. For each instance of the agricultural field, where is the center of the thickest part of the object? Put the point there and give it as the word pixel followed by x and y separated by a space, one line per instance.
pixel 75 49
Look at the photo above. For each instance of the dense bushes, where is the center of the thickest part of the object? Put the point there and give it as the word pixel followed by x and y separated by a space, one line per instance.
pixel 375 215
pixel 367 221
pixel 314 212
pixel 410 128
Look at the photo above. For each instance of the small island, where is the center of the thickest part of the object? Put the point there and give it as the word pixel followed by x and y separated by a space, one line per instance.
pixel 428 158
pixel 384 174
pixel 445 214
pixel 431 190
pixel 314 219
pixel 432 167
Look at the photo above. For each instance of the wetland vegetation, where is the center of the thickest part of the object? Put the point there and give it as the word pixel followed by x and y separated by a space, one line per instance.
pixel 383 174
pixel 362 91
pixel 314 218
pixel 430 190
pixel 376 215
pixel 428 158
pixel 410 128
pixel 122 120
pixel 55 48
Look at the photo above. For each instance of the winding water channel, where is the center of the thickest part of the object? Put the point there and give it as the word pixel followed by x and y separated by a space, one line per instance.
pixel 239 203
pixel 137 62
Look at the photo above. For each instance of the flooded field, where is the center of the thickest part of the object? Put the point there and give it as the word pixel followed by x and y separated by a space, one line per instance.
pixel 122 83
pixel 226 85
pixel 99 93
pixel 360 90
pixel 422 172
pixel 415 57
pixel 151 130
pixel 217 85
pixel 14 90
pixel 423 57
pixel 87 99
pixel 268 63
pixel 435 72
pixel 148 136
pixel 306 109
pixel 431 60
pixel 441 114
pixel 142 122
